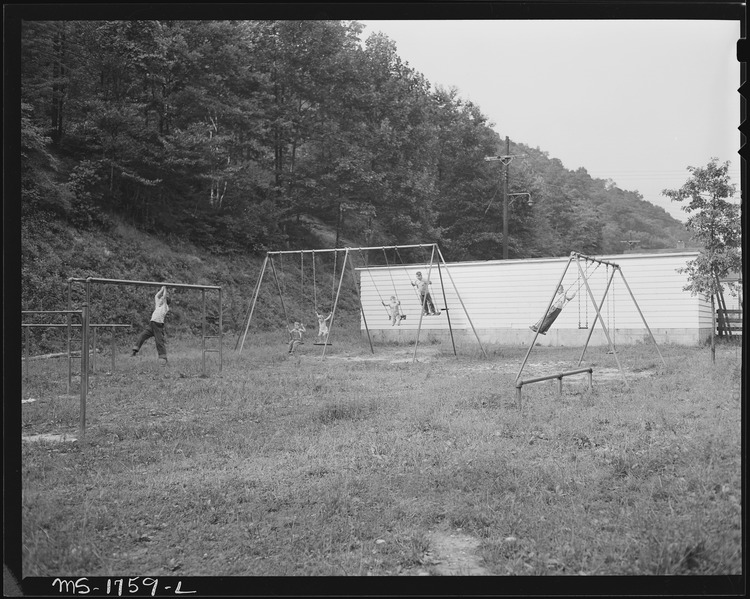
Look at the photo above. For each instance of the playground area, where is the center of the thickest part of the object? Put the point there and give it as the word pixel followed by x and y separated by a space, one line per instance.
pixel 336 450
pixel 378 464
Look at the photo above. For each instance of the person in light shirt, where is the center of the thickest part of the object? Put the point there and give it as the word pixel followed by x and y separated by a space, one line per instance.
pixel 561 298
pixel 423 286
pixel 295 336
pixel 155 327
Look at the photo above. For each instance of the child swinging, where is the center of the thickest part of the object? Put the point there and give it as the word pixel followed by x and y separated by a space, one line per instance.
pixel 393 307
pixel 544 323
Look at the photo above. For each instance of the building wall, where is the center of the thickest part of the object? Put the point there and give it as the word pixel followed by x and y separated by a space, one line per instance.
pixel 497 300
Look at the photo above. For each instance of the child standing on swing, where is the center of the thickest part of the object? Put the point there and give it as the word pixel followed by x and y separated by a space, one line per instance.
pixel 295 336
pixel 394 310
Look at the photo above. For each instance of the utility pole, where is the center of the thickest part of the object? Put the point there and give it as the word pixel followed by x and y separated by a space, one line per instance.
pixel 505 200
pixel 506 160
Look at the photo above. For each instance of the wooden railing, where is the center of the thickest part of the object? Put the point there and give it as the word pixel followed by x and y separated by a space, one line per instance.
pixel 729 322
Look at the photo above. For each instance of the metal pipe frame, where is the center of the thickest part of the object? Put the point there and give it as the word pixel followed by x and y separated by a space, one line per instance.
pixel 88 281
pixel 546 311
pixel 590 259
pixel 559 376
pixel 461 301
pixel 143 283
pixel 601 319
pixel 336 302
pixel 379 247
pixel 83 313
pixel 359 299
pixel 252 305
pixel 424 303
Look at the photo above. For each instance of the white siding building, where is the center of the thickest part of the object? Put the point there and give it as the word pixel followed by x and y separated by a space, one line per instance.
pixel 502 298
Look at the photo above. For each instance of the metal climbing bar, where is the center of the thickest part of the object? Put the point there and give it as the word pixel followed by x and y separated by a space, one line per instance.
pixel 559 376
pixel 89 280
pixel 83 314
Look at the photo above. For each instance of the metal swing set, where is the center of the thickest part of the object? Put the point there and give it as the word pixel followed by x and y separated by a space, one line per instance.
pixel 583 277
pixel 272 257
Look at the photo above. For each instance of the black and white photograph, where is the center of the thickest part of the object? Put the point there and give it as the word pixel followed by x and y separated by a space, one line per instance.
pixel 344 301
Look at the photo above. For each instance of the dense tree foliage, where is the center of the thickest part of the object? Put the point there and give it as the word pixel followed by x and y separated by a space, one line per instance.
pixel 227 133
pixel 714 221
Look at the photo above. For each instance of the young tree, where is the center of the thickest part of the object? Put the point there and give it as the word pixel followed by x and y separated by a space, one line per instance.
pixel 715 223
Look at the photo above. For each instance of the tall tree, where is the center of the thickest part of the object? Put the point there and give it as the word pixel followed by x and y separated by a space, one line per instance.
pixel 714 221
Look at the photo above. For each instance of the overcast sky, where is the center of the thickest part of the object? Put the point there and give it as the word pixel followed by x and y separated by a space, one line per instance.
pixel 636 101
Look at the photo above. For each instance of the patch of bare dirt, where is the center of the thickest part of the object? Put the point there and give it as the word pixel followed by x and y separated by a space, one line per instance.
pixel 452 553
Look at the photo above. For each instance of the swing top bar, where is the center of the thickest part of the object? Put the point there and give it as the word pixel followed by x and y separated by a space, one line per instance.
pixel 151 283
pixel 379 247
pixel 577 255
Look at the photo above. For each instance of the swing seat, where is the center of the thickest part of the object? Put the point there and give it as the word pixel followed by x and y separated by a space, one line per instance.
pixel 403 317
pixel 322 343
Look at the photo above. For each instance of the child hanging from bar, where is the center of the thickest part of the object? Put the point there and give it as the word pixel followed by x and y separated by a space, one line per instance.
pixel 544 323
pixel 295 336
pixel 394 311
pixel 155 327
pixel 323 325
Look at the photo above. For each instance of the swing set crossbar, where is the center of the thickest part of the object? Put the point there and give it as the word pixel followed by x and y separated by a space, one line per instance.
pixel 321 251
pixel 591 259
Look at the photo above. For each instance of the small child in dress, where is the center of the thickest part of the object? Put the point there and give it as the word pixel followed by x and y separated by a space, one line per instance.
pixel 394 311
pixel 295 336
pixel 323 324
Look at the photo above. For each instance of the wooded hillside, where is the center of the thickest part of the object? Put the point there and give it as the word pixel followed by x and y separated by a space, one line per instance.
pixel 231 136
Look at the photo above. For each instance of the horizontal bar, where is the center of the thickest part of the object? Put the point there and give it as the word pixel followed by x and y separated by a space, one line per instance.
pixel 380 247
pixel 74 325
pixel 51 311
pixel 151 283
pixel 574 254
pixel 519 384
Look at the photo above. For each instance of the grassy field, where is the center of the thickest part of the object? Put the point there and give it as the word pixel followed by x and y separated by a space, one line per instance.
pixel 371 465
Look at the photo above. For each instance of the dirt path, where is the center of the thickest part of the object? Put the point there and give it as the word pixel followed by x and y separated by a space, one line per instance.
pixel 452 553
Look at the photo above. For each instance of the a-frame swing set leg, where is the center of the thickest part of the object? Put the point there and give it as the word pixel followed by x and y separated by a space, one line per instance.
pixel 359 299
pixel 600 318
pixel 335 303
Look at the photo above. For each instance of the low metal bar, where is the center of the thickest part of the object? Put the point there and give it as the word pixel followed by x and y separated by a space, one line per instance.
pixel 559 376
pixel 553 376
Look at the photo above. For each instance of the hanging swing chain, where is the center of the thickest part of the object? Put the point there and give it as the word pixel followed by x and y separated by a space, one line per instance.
pixel 580 281
pixel 372 280
pixel 401 260
pixel 315 287
pixel 385 255
pixel 333 278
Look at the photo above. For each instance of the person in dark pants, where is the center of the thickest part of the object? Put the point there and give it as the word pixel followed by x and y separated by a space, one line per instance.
pixel 155 327
pixel 561 298
pixel 423 286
